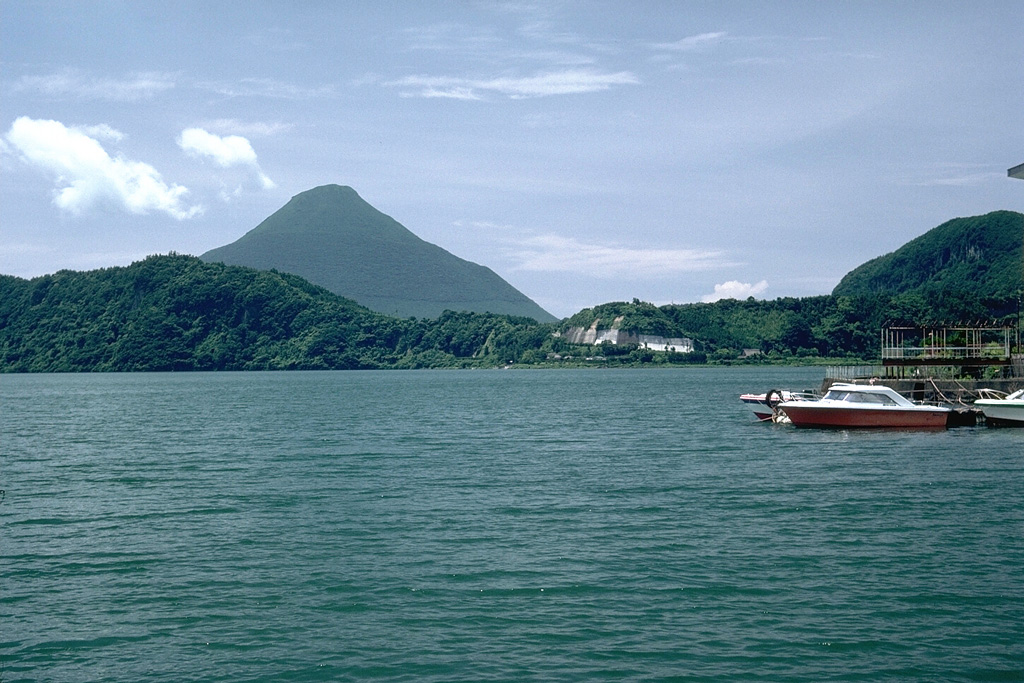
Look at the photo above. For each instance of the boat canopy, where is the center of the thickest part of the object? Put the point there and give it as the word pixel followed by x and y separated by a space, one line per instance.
pixel 866 393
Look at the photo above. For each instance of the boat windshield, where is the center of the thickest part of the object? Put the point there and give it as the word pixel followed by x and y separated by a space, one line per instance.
pixel 860 397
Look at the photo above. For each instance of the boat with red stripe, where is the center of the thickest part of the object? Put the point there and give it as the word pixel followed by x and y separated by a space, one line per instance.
pixel 865 405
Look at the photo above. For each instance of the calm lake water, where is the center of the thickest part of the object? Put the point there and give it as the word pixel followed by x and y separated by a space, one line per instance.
pixel 494 526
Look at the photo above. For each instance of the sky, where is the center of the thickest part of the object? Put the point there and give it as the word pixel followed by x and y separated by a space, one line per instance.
pixel 587 152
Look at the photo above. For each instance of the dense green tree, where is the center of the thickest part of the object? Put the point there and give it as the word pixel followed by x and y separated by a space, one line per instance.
pixel 980 255
pixel 177 313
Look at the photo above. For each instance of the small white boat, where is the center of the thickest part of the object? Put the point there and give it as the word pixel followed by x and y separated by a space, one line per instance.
pixel 865 405
pixel 765 405
pixel 1007 411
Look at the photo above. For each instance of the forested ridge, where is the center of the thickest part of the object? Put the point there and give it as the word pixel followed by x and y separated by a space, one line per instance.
pixel 980 254
pixel 819 326
pixel 179 313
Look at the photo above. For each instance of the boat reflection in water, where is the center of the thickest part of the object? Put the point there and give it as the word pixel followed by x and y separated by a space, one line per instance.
pixel 864 405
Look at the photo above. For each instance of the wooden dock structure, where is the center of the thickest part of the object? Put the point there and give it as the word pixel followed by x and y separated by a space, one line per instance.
pixel 953 365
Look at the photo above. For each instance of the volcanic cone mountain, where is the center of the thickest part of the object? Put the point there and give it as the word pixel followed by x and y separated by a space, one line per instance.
pixel 330 236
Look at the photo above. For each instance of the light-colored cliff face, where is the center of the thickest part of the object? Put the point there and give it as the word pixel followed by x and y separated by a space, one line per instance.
pixel 595 335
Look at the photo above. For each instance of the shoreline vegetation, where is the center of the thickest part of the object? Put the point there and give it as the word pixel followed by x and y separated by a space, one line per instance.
pixel 178 313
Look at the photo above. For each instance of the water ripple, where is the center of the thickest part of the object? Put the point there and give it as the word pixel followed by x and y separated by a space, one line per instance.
pixel 475 526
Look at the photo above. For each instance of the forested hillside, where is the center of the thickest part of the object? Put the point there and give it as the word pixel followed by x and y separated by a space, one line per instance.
pixel 819 326
pixel 982 255
pixel 179 313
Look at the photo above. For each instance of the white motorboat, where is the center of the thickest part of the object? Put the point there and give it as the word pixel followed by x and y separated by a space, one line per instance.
pixel 765 405
pixel 1007 411
pixel 864 405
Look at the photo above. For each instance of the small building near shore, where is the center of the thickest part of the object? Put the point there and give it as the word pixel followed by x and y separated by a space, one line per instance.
pixel 595 335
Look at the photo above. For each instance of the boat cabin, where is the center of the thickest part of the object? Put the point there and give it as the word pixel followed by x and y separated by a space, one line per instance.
pixel 871 394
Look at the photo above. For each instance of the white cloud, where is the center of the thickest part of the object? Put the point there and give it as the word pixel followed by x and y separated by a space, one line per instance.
pixel 227 151
pixel 134 87
pixel 553 253
pixel 452 37
pixel 237 127
pixel 87 175
pixel 565 82
pixel 102 132
pixel 694 43
pixel 734 289
pixel 266 87
pixel 953 175
pixel 451 92
pixel 968 180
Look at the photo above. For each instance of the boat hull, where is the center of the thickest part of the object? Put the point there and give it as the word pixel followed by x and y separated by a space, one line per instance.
pixel 816 415
pixel 1001 412
pixel 759 402
pixel 758 405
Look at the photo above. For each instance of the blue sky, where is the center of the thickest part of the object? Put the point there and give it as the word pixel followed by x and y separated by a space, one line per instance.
pixel 586 152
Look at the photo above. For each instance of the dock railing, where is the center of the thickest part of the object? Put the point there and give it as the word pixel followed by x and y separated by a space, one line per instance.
pixel 848 373
pixel 942 345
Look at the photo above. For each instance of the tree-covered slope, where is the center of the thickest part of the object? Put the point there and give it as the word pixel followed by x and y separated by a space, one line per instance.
pixel 180 313
pixel 330 236
pixel 981 255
